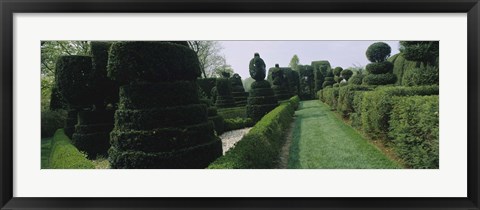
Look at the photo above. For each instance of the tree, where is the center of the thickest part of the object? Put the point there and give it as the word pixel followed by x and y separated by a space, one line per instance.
pixel 222 68
pixel 294 62
pixel 208 56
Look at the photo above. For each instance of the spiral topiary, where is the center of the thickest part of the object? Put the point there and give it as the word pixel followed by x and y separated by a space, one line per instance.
pixel 161 122
pixel 380 70
pixel 238 91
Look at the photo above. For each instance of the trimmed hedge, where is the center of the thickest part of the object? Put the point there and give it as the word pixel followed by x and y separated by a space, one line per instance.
pixel 102 89
pixel 380 67
pixel 256 109
pixel 70 122
pixel 261 146
pixel 414 128
pixel 152 61
pixel 63 155
pixel 330 96
pixel 206 85
pixel 145 119
pixel 256 112
pixel 51 121
pixel 238 123
pixel 71 81
pixel 356 79
pixel 162 139
pixel 218 122
pixel 346 96
pixel 92 132
pixel 378 52
pixel 377 106
pixel 193 157
pixel 232 113
pixel 147 96
pixel 401 66
pixel 379 79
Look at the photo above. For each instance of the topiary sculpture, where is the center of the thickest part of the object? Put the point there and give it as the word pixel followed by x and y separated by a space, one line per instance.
pixel 238 91
pixel 380 70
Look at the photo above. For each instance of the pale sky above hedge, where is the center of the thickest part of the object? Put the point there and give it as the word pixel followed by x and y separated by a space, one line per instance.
pixel 339 53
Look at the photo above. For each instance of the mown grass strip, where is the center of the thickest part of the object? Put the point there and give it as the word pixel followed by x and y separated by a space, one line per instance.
pixel 321 140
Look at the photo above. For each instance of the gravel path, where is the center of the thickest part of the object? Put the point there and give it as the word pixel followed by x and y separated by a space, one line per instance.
pixel 230 138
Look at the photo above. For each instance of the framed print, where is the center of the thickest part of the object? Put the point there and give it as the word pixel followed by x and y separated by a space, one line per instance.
pixel 239 105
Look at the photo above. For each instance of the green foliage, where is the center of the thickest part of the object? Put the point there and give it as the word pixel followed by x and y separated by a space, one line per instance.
pixel 401 66
pixel 423 75
pixel 65 156
pixel 379 79
pixel 327 83
pixel 422 51
pixel 346 96
pixel 238 123
pixel 224 88
pixel 346 74
pixel 330 96
pixel 323 66
pixel 247 83
pixel 56 100
pixel 257 68
pixel 378 52
pixel 414 129
pixel 356 79
pixel 103 90
pixel 294 62
pixel 232 113
pixel 337 70
pixel 306 86
pixel 377 106
pixel 52 120
pixel 206 85
pixel 261 146
pixel 379 67
pixel 71 79
pixel 151 61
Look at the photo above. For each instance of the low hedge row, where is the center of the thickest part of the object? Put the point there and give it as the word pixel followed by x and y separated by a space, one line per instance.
pixel 414 130
pixel 232 113
pixel 237 123
pixel 261 146
pixel 63 155
pixel 377 106
pixel 346 96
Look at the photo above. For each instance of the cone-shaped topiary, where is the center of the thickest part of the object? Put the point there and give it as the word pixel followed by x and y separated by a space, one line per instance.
pixel 238 91
pixel 224 94
pixel 380 70
pixel 161 122
pixel 261 99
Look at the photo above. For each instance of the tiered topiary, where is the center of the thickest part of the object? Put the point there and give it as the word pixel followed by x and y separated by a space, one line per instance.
pixel 280 84
pixel 380 70
pixel 337 77
pixel 238 91
pixel 321 70
pixel 261 99
pixel 160 121
pixel 306 77
pixel 92 133
pixel 72 85
pixel 329 79
pixel 224 97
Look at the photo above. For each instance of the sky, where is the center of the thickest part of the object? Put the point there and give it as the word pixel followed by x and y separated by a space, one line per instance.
pixel 339 53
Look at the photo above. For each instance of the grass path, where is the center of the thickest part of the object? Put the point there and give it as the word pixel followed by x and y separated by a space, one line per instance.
pixel 45 152
pixel 321 140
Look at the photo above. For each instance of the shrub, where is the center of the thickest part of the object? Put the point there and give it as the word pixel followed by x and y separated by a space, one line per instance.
pixel 232 113
pixel 330 96
pixel 64 155
pixel 400 66
pixel 414 129
pixel 152 61
pixel 261 146
pixel 71 81
pixel 356 117
pixel 378 52
pixel 423 51
pixel 103 90
pixel 56 100
pixel 346 74
pixel 377 106
pixel 336 85
pixel 380 67
pixel 356 79
pixel 206 85
pixel 346 95
pixel 337 70
pixel 424 75
pixel 379 79
pixel 238 123
pixel 52 121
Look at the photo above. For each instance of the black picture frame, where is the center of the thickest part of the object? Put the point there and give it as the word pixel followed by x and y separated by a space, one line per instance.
pixel 9 7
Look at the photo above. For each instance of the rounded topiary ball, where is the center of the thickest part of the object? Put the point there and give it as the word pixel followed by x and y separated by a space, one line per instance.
pixel 380 67
pixel 148 61
pixel 378 52
pixel 337 71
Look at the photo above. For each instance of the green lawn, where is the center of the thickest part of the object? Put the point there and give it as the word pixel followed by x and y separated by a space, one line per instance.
pixel 321 140
pixel 46 143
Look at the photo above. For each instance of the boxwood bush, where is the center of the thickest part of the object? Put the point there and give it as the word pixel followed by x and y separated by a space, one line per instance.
pixel 346 94
pixel 377 106
pixel 261 146
pixel 414 130
pixel 63 155
pixel 330 97
pixel 237 123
